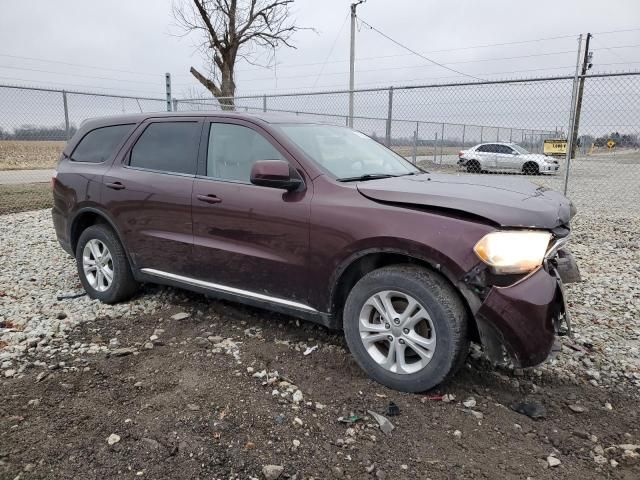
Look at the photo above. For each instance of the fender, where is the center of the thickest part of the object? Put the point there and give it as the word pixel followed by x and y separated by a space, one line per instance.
pixel 107 218
pixel 443 265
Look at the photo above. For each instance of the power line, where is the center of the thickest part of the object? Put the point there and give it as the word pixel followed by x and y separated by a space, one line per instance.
pixel 611 50
pixel 312 75
pixel 378 57
pixel 422 79
pixel 78 75
pixel 635 29
pixel 418 54
pixel 430 78
pixel 44 85
pixel 403 67
pixel 335 41
pixel 470 47
pixel 75 64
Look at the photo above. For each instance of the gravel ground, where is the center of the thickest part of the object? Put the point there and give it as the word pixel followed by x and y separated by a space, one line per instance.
pixel 605 306
pixel 43 338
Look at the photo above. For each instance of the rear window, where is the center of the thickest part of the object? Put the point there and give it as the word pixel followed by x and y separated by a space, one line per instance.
pixel 100 144
pixel 490 148
pixel 168 147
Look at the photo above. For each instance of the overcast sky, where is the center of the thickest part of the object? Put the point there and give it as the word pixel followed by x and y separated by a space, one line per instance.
pixel 132 43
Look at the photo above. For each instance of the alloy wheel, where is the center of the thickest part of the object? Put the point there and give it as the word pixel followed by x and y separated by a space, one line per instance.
pixel 397 332
pixel 97 265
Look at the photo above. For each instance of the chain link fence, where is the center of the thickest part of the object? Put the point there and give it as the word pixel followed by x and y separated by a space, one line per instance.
pixel 35 123
pixel 434 126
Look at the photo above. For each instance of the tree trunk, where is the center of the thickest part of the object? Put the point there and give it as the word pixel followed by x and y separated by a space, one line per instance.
pixel 227 87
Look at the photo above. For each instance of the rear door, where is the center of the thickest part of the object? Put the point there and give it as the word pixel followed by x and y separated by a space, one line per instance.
pixel 504 157
pixel 487 154
pixel 249 237
pixel 148 193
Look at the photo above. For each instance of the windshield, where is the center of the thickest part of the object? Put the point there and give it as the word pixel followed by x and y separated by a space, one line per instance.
pixel 347 154
pixel 519 149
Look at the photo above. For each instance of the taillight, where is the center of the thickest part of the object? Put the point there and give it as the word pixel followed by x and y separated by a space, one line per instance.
pixel 460 153
pixel 54 179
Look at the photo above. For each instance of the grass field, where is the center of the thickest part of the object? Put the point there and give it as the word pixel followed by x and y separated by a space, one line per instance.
pixel 425 150
pixel 29 154
pixel 19 198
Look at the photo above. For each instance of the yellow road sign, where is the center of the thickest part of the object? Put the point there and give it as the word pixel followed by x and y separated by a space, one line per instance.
pixel 611 143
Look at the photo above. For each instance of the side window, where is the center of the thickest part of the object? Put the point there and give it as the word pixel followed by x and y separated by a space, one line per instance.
pixel 485 148
pixel 233 149
pixel 168 147
pixel 99 145
pixel 491 148
pixel 504 149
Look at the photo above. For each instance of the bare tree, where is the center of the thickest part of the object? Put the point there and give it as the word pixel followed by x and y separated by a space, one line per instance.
pixel 233 30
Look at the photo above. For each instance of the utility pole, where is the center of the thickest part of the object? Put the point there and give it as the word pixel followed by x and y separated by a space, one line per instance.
pixel 572 118
pixel 352 59
pixel 586 65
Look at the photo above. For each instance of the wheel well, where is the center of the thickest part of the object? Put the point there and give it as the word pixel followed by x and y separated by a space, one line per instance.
pixel 360 267
pixel 81 223
pixel 530 164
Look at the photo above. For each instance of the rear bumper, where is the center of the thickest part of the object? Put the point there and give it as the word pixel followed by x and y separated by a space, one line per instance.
pixel 525 317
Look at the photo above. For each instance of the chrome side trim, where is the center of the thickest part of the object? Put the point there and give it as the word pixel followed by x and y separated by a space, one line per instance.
pixel 226 289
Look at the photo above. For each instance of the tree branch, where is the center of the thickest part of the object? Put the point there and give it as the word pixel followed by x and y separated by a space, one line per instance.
pixel 207 21
pixel 208 84
pixel 233 29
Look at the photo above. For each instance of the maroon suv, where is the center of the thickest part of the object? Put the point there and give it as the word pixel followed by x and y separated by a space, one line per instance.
pixel 323 223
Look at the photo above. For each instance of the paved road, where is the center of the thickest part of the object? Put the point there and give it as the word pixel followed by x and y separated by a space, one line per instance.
pixel 16 177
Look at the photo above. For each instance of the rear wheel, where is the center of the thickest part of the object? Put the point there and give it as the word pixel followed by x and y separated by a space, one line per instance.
pixel 103 267
pixel 406 327
pixel 530 168
pixel 473 166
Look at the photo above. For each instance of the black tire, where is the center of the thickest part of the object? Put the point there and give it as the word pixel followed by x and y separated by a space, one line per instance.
pixel 473 166
pixel 123 285
pixel 447 313
pixel 531 168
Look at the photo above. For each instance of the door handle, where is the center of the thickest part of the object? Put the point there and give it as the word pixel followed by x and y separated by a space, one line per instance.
pixel 209 198
pixel 115 185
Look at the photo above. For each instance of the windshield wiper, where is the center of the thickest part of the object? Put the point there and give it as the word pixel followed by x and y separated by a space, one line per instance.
pixel 367 176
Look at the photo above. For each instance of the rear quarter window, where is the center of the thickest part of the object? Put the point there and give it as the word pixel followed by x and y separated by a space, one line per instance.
pixel 100 144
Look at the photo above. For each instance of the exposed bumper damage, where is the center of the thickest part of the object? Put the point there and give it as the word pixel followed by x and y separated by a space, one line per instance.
pixel 525 317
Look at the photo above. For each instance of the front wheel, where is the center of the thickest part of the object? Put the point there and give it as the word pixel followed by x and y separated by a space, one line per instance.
pixel 406 327
pixel 103 266
pixel 530 168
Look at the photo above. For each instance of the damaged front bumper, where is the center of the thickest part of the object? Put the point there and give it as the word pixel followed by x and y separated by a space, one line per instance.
pixel 524 318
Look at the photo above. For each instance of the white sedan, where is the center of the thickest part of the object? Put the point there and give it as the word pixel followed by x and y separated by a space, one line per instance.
pixel 506 157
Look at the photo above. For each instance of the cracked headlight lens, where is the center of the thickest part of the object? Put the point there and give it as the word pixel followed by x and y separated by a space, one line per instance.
pixel 513 251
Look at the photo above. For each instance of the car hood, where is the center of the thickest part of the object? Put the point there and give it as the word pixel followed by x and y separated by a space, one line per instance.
pixel 508 202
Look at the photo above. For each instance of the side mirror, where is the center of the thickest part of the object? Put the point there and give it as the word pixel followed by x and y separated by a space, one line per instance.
pixel 275 174
pixel 513 152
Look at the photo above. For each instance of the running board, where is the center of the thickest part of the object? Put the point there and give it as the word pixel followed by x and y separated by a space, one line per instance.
pixel 225 289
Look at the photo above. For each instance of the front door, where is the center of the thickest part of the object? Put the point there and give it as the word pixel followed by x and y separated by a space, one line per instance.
pixel 249 237
pixel 508 158
pixel 148 193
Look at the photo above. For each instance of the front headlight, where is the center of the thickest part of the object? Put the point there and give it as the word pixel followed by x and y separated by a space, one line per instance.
pixel 513 251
